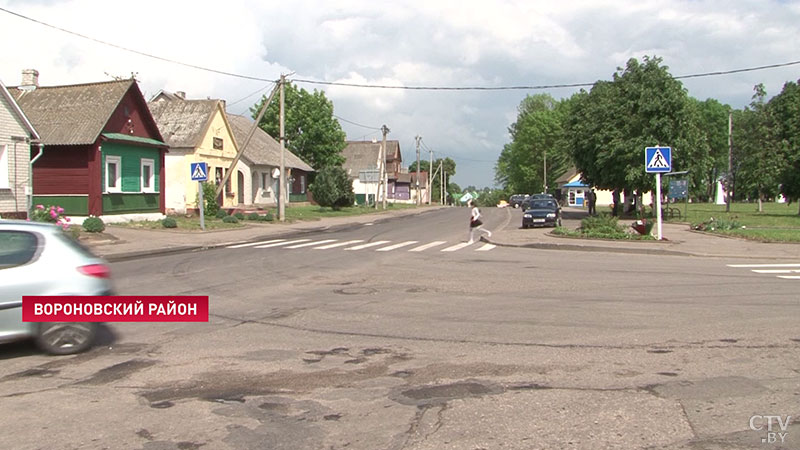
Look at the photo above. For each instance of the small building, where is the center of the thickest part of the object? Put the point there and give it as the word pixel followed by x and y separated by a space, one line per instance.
pixel 16 137
pixel 363 164
pixel 573 192
pixel 197 131
pixel 262 156
pixel 102 152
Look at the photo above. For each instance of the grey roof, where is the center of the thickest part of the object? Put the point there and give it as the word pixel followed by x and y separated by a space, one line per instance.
pixel 183 123
pixel 263 149
pixel 363 155
pixel 73 114
pixel 360 155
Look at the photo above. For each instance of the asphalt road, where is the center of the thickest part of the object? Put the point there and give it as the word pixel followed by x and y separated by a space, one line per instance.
pixel 383 347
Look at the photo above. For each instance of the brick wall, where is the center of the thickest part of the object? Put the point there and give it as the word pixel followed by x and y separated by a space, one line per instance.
pixel 13 202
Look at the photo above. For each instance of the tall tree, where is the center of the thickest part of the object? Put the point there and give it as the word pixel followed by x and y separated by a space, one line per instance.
pixel 785 107
pixel 312 133
pixel 711 117
pixel 537 148
pixel 611 125
pixel 760 154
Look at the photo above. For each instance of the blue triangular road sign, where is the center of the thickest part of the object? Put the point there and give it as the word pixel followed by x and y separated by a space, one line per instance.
pixel 658 161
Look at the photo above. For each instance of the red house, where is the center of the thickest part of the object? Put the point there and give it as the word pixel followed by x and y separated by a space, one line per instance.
pixel 102 152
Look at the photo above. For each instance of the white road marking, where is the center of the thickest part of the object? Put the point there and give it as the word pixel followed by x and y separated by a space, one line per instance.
pixel 456 247
pixel 250 244
pixel 367 245
pixel 789 277
pixel 485 248
pixel 309 244
pixel 763 265
pixel 338 244
pixel 422 248
pixel 396 246
pixel 278 244
pixel 776 271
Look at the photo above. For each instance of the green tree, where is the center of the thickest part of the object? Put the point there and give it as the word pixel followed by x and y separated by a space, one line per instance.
pixel 448 166
pixel 711 117
pixel 312 133
pixel 785 107
pixel 760 154
pixel 611 125
pixel 332 187
pixel 537 138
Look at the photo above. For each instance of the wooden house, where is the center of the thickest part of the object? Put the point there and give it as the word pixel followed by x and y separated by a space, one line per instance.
pixel 16 137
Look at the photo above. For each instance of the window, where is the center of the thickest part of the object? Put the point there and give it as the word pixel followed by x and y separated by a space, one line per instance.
pixel 148 176
pixel 4 178
pixel 217 143
pixel 16 248
pixel 302 184
pixel 113 170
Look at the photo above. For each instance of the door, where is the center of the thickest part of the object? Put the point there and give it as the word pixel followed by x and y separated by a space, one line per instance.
pixel 240 187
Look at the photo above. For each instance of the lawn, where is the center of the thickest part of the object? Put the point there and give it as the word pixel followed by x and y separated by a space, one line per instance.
pixel 313 212
pixel 778 222
pixel 184 223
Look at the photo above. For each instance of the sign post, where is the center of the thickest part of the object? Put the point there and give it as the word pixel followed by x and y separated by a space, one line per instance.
pixel 199 173
pixel 658 160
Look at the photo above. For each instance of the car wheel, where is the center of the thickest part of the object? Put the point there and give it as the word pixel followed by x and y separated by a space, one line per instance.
pixel 65 338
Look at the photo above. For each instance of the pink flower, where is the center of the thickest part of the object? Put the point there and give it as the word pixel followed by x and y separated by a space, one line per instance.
pixel 53 214
pixel 60 210
pixel 39 206
pixel 66 219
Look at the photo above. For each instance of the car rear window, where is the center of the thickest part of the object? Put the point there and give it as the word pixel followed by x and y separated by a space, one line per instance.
pixel 17 248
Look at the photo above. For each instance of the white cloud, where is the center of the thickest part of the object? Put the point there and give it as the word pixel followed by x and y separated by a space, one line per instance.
pixel 410 43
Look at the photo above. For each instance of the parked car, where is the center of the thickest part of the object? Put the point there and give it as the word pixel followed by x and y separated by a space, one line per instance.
pixel 517 199
pixel 41 259
pixel 542 212
pixel 526 203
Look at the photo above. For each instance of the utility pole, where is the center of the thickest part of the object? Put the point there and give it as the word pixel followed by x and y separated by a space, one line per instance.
pixel 444 177
pixel 544 180
pixel 419 197
pixel 282 178
pixel 729 178
pixel 430 179
pixel 385 178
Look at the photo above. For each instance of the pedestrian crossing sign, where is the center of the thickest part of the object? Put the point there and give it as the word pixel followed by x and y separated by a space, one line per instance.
pixel 199 171
pixel 657 159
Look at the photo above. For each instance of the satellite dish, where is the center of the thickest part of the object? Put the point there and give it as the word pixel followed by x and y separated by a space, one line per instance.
pixel 276 172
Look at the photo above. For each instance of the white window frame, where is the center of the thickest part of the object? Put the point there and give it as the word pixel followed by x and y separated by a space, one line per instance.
pixel 152 164
pixel 117 174
pixel 5 176
pixel 302 184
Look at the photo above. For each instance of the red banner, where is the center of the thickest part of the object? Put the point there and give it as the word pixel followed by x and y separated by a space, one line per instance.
pixel 115 309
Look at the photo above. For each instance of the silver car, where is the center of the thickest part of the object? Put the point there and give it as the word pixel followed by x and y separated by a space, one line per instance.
pixel 40 259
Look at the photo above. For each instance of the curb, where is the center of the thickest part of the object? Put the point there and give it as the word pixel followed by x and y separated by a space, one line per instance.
pixel 593 248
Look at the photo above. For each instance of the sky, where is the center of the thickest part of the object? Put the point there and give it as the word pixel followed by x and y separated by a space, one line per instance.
pixel 433 43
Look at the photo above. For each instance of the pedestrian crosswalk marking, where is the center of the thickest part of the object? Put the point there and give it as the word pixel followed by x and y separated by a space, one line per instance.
pixel 367 245
pixel 338 244
pixel 781 270
pixel 309 244
pixel 250 244
pixel 422 248
pixel 358 244
pixel 279 244
pixel 396 246
pixel 456 247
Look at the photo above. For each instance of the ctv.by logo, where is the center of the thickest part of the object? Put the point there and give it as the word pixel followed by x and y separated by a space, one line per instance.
pixel 759 423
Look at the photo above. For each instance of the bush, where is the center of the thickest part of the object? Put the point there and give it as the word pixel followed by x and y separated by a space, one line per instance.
pixel 230 219
pixel 221 214
pixel 50 214
pixel 239 215
pixel 169 222
pixel 266 217
pixel 332 187
pixel 93 224
pixel 253 216
pixel 718 225
pixel 210 205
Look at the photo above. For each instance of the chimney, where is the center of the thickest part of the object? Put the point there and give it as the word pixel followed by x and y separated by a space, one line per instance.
pixel 30 79
pixel 181 95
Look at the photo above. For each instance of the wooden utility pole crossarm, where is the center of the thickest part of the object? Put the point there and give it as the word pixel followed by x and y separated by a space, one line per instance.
pixel 228 172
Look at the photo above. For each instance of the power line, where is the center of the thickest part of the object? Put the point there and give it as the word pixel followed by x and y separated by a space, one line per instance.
pixel 378 86
pixel 250 95
pixel 357 124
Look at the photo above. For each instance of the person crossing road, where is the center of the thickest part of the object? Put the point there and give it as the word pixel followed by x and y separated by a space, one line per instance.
pixel 475 223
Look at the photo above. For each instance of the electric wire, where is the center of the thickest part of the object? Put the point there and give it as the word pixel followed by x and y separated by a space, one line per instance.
pixel 378 86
